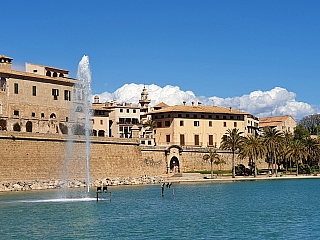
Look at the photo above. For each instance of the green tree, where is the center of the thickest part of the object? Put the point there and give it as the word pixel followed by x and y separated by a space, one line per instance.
pixel 273 140
pixel 212 156
pixel 232 141
pixel 253 148
pixel 297 151
pixel 300 132
pixel 313 150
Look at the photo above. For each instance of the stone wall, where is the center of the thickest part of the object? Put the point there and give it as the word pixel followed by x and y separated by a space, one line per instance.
pixel 30 156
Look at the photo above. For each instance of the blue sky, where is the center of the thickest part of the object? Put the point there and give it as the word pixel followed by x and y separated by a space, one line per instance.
pixel 212 48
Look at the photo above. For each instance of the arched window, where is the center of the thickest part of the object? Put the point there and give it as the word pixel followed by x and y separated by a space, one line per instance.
pixel 55 74
pixel 29 126
pixel 61 75
pixel 16 127
pixel 52 115
pixel 48 74
pixel 101 133
pixel 94 132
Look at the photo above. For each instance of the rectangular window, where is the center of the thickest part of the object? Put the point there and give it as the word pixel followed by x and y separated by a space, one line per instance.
pixel 195 116
pixel 182 143
pixel 155 117
pixel 187 115
pixel 217 116
pixel 143 142
pixel 210 116
pixel 181 123
pixel 202 116
pixel 134 110
pixel 128 110
pixel 55 94
pixel 101 122
pixel 16 113
pixel 33 114
pixel 67 95
pixel 42 115
pixel 149 142
pixel 196 123
pixel 34 90
pixel 159 124
pixel 231 117
pixel 238 117
pixel 224 117
pixel 210 123
pixel 179 115
pixel 210 140
pixel 162 116
pixel 196 140
pixel 121 110
pixel 169 115
pixel 168 138
pixel 167 123
pixel 16 88
pixel 235 124
pixel 67 119
pixel 224 124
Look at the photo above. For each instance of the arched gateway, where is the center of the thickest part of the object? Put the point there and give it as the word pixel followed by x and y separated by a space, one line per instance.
pixel 172 158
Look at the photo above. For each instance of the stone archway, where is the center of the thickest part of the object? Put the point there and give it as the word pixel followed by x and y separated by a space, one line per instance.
pixel 174 165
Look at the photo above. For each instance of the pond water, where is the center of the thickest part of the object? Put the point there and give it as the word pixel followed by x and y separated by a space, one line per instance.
pixel 278 209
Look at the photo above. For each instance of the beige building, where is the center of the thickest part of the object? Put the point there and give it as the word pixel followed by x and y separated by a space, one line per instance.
pixel 200 126
pixel 37 100
pixel 114 118
pixel 282 123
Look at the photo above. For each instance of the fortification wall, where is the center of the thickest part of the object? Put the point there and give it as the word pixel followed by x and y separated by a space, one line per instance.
pixel 30 156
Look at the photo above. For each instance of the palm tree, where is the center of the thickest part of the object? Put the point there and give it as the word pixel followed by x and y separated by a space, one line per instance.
pixel 297 151
pixel 253 148
pixel 312 147
pixel 150 124
pixel 213 156
pixel 273 140
pixel 232 141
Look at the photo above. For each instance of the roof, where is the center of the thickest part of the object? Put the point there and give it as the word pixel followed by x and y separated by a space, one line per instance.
pixel 3 56
pixel 272 121
pixel 162 104
pixel 198 109
pixel 11 72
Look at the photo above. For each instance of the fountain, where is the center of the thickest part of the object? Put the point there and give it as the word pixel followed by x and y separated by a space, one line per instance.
pixel 79 119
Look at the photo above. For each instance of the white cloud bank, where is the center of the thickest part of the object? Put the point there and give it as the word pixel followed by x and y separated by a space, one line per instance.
pixel 277 101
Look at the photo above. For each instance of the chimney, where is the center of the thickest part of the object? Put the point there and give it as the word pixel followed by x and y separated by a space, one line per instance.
pixel 199 104
pixel 192 103
pixel 184 103
pixel 230 109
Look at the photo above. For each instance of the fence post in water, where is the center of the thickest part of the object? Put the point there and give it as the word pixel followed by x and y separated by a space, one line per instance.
pixel 162 189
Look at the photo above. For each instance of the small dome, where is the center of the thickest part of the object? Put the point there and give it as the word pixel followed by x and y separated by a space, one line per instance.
pixel 144 91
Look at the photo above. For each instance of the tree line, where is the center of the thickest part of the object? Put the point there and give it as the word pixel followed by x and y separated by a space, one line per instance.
pixel 281 150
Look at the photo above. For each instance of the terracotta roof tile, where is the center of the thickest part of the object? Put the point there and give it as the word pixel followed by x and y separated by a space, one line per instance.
pixel 272 121
pixel 199 109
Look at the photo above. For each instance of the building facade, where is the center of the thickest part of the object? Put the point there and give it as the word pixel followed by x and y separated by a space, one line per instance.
pixel 282 123
pixel 37 100
pixel 199 126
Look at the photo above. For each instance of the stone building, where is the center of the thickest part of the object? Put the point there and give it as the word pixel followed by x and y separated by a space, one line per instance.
pixel 37 100
pixel 199 126
pixel 282 123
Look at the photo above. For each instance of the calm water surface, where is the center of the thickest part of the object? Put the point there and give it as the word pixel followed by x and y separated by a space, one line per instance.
pixel 279 209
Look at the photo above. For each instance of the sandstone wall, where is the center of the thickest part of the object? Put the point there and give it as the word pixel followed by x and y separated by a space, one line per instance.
pixel 30 156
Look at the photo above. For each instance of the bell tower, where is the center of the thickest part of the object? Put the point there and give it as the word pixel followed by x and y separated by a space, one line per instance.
pixel 144 101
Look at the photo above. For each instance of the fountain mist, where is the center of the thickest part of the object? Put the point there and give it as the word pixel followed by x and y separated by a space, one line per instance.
pixel 79 121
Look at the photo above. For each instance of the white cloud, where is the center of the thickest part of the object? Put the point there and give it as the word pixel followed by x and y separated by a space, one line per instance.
pixel 277 101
